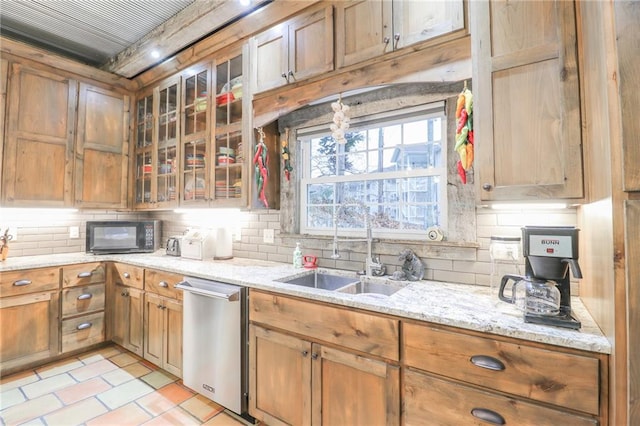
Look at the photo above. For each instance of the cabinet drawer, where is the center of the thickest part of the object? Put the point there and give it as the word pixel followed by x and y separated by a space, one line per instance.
pixel 82 331
pixel 558 378
pixel 83 274
pixel 355 330
pixel 130 276
pixel 82 300
pixel 433 401
pixel 14 283
pixel 162 283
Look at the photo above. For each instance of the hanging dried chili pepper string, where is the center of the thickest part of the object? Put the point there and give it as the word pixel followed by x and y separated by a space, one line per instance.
pixel 286 155
pixel 464 132
pixel 261 162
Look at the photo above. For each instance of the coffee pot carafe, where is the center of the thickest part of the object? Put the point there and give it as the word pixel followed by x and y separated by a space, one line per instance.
pixel 532 295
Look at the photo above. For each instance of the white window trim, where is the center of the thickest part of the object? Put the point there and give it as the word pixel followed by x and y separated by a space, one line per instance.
pixel 436 108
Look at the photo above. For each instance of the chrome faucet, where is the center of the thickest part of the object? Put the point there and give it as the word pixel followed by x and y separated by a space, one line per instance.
pixel 373 266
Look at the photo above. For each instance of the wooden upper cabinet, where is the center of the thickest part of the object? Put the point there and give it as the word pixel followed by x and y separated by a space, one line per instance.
pixel 627 39
pixel 418 20
pixel 526 100
pixel 363 30
pixel 295 50
pixel 102 148
pixel 38 151
pixel 366 29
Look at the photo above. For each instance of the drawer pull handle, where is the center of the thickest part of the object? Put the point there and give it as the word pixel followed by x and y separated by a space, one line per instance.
pixel 84 326
pixel 85 274
pixel 21 282
pixel 488 362
pixel 488 416
pixel 163 284
pixel 127 275
pixel 85 296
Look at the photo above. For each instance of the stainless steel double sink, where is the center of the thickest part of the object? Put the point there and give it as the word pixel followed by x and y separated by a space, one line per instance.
pixel 344 284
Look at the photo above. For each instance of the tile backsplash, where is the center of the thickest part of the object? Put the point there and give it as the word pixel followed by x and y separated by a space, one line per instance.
pixel 41 233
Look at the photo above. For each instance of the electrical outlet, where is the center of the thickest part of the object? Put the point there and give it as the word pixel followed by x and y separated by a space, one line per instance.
pixel 74 232
pixel 269 236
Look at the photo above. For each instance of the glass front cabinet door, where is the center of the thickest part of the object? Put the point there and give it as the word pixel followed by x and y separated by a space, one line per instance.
pixel 196 159
pixel 144 150
pixel 229 149
pixel 156 154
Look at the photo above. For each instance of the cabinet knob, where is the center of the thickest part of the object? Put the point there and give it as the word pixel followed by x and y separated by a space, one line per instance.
pixel 124 293
pixel 291 75
pixel 487 415
pixel 386 40
pixel 314 355
pixel 396 37
pixel 487 187
pixel 305 353
pixel 163 284
pixel 127 275
pixel 284 75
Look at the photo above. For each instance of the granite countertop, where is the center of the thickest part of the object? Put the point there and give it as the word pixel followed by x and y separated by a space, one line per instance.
pixel 458 305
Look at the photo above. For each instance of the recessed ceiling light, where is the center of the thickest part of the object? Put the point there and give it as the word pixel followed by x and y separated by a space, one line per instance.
pixel 155 54
pixel 245 2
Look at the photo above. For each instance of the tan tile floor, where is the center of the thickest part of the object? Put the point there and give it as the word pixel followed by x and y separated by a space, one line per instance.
pixel 109 386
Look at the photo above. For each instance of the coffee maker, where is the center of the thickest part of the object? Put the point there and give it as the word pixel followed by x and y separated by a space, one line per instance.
pixel 549 253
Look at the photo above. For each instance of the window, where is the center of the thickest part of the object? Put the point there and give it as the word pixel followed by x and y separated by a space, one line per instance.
pixel 393 166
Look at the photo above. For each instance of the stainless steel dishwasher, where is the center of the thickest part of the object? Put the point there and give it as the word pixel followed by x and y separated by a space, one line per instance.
pixel 215 356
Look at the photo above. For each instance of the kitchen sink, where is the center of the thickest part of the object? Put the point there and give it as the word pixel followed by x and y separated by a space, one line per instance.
pixel 322 280
pixel 386 289
pixel 345 284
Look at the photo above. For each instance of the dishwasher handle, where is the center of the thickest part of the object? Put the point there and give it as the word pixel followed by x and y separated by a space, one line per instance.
pixel 185 286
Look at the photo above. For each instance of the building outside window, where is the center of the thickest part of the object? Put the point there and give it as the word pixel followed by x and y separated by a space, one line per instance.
pixel 392 165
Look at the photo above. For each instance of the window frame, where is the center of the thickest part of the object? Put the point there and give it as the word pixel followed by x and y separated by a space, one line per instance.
pixel 364 123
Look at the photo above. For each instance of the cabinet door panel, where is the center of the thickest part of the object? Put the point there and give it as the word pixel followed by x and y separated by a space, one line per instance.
pixel 29 328
pixel 415 21
pixel 83 299
pixel 270 52
pixel 135 324
pixel 102 145
pixel 173 336
pixel 311 44
pixel 153 328
pixel 339 377
pixel 280 378
pixel 527 100
pixel 82 331
pixel 361 30
pixel 432 401
pixel 38 159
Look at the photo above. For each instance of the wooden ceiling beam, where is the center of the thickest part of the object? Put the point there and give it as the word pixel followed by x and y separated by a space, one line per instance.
pixel 192 23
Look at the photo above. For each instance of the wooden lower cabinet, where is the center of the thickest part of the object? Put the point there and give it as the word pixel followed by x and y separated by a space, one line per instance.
pixel 163 332
pixel 296 382
pixel 429 400
pixel 30 330
pixel 317 364
pixel 127 324
pixel 454 377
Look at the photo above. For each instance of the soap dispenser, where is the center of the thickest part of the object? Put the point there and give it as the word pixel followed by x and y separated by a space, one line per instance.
pixel 297 256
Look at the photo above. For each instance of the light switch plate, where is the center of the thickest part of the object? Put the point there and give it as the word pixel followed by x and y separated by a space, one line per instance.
pixel 269 236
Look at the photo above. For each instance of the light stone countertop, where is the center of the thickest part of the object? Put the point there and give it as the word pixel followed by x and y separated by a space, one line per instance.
pixel 458 305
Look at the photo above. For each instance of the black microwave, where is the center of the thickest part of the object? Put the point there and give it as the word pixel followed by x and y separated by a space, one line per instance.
pixel 141 236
